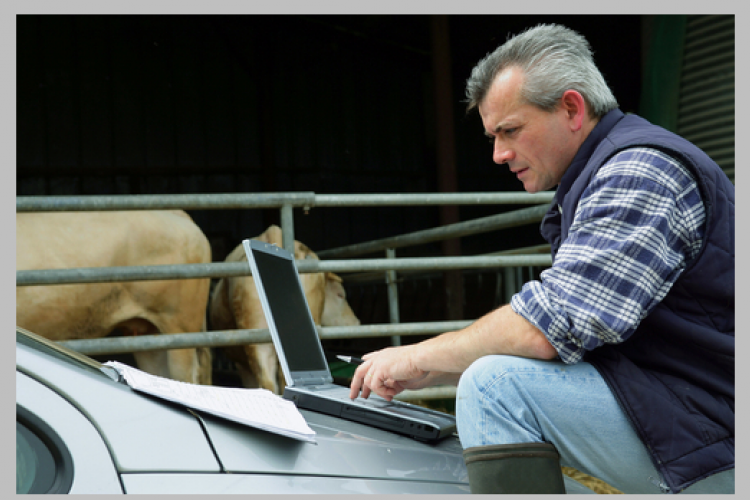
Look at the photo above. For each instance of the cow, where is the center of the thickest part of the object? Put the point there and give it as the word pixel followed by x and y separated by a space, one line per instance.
pixel 57 240
pixel 235 305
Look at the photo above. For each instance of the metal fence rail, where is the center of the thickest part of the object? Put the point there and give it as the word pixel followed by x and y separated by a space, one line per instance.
pixel 286 202
pixel 223 338
pixel 230 269
pixel 163 201
pixel 482 225
pixel 303 199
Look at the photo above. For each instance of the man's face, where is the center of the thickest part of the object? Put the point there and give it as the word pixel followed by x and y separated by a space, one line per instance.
pixel 537 145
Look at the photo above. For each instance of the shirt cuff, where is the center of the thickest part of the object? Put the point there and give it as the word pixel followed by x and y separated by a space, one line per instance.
pixel 535 305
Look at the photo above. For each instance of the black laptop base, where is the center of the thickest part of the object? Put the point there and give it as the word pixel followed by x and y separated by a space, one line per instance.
pixel 421 430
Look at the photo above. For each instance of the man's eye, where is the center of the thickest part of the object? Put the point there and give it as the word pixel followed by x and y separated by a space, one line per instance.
pixel 510 131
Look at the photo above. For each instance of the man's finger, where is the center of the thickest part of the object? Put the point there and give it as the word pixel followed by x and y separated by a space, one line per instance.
pixel 358 381
pixel 366 392
pixel 354 388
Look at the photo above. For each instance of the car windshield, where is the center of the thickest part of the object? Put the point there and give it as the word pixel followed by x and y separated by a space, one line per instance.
pixel 40 343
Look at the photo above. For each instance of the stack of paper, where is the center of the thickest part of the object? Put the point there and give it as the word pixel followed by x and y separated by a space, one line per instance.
pixel 257 408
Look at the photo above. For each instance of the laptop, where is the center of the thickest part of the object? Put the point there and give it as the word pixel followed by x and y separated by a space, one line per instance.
pixel 309 382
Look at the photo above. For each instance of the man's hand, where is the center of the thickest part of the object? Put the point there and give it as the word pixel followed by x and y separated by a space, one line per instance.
pixel 387 373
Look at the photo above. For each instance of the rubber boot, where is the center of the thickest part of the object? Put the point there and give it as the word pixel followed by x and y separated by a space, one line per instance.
pixel 514 468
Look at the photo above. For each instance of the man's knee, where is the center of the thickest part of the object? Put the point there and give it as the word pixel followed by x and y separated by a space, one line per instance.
pixel 485 378
pixel 477 377
pixel 488 372
pixel 492 401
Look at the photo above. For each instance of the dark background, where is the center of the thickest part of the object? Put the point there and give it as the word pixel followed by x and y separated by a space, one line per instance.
pixel 335 104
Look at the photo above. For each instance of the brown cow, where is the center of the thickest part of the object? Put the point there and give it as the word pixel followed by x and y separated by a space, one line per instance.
pixel 235 305
pixel 57 240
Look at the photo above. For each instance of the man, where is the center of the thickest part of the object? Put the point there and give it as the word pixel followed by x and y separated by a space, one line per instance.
pixel 621 359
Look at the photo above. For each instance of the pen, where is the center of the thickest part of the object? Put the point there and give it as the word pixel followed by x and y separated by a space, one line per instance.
pixel 351 359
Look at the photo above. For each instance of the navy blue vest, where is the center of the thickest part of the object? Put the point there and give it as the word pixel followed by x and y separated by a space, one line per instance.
pixel 675 375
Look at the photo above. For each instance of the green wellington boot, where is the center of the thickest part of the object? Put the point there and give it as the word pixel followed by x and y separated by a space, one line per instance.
pixel 514 468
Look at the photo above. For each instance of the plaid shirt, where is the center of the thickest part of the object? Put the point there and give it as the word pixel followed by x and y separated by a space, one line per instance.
pixel 637 225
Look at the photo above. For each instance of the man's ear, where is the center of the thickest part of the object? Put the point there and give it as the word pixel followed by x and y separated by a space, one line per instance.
pixel 574 105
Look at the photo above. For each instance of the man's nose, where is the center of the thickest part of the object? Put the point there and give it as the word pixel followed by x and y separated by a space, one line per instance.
pixel 502 154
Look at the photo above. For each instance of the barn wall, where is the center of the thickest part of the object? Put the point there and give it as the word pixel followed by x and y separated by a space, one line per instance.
pixel 201 104
pixel 129 105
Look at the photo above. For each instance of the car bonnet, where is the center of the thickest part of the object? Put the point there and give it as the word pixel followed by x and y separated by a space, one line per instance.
pixel 342 449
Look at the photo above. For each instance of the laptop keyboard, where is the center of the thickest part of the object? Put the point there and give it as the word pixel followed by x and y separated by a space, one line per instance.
pixel 374 403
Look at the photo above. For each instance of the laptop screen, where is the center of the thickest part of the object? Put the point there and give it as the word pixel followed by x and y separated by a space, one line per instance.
pixel 296 331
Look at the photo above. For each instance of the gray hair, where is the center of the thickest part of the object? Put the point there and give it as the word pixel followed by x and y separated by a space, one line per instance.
pixel 553 59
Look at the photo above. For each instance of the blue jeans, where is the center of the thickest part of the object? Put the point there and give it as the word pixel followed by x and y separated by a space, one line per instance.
pixel 507 399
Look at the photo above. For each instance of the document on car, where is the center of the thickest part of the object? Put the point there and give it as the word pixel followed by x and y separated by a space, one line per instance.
pixel 259 408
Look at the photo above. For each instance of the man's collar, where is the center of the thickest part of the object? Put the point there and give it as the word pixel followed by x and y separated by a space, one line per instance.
pixel 599 132
pixel 551 223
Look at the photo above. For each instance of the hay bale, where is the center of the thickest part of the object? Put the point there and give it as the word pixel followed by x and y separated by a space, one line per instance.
pixel 592 483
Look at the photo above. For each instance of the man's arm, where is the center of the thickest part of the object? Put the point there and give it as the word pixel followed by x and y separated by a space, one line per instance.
pixel 637 225
pixel 444 357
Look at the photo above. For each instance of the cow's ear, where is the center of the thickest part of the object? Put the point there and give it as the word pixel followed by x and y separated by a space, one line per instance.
pixel 301 248
pixel 271 235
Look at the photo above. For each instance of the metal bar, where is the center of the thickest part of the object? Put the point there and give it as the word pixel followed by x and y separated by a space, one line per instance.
pixel 201 201
pixel 393 311
pixel 387 329
pixel 131 273
pixel 519 279
pixel 375 277
pixel 409 199
pixel 509 280
pixel 304 199
pixel 544 248
pixel 287 228
pixel 229 269
pixel 118 345
pixel 483 224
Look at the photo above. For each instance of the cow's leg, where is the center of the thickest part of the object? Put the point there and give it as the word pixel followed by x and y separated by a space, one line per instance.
pixel 264 364
pixel 153 362
pixel 205 363
pixel 248 378
pixel 280 379
pixel 184 365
